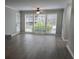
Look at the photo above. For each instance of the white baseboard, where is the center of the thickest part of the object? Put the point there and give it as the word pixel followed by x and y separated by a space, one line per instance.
pixel 14 34
pixel 66 41
pixel 70 51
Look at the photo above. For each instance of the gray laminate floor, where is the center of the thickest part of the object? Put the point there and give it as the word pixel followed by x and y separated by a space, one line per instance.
pixel 29 46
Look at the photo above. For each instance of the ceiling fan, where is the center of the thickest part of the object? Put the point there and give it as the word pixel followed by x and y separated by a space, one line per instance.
pixel 38 11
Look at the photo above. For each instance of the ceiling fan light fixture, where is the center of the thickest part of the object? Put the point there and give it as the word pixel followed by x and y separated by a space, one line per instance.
pixel 38 11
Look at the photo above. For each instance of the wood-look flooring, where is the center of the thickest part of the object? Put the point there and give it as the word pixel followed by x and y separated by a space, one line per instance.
pixel 32 46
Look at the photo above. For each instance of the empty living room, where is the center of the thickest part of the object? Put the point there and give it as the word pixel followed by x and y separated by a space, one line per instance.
pixel 39 29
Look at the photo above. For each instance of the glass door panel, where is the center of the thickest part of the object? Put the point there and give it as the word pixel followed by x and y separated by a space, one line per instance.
pixel 39 23
pixel 17 22
pixel 51 23
pixel 29 23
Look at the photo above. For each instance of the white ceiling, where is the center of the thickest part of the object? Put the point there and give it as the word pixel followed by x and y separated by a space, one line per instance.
pixel 33 4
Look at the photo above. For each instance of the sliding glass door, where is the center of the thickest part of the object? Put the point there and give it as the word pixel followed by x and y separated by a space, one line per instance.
pixel 42 23
pixel 18 22
pixel 39 23
pixel 29 22
pixel 51 23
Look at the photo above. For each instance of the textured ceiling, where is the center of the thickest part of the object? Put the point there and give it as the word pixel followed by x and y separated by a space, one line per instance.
pixel 33 4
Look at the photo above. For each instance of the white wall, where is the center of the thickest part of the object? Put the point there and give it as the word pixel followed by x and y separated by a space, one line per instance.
pixel 68 27
pixel 10 20
pixel 66 21
pixel 71 32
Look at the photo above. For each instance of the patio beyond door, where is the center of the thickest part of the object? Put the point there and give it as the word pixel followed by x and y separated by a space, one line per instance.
pixel 42 23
